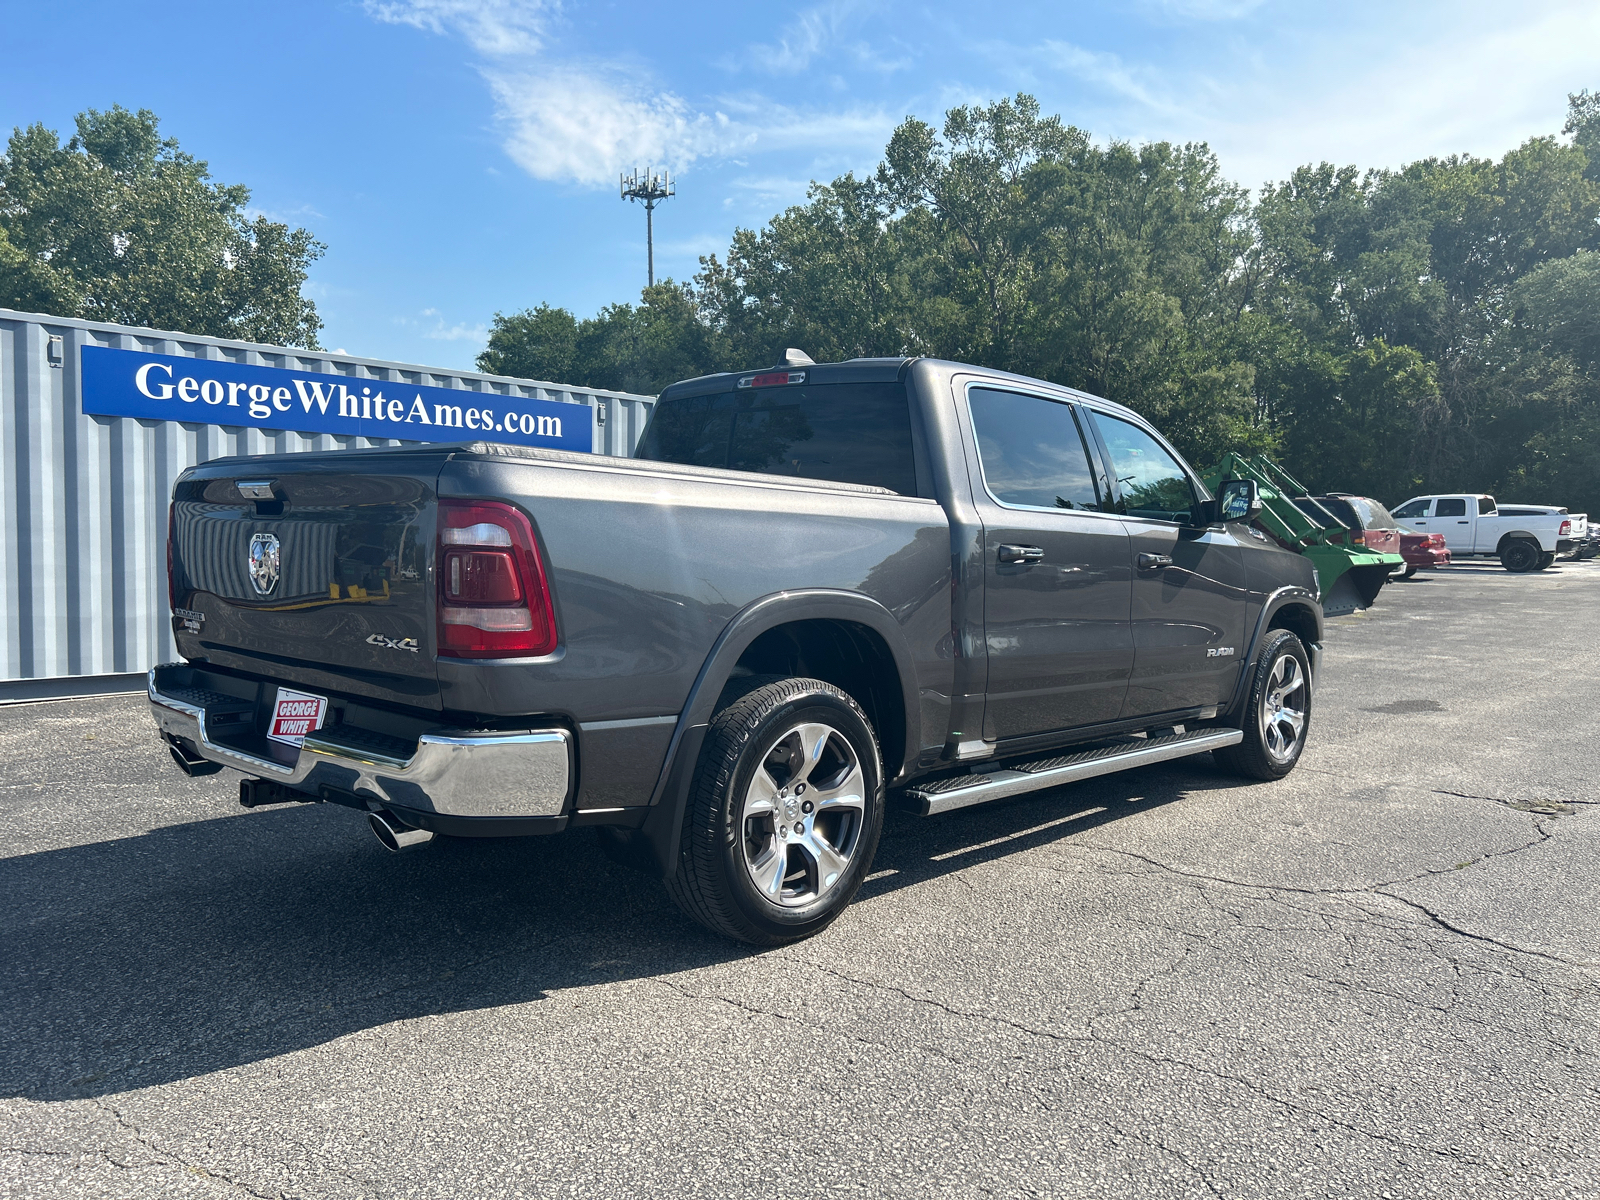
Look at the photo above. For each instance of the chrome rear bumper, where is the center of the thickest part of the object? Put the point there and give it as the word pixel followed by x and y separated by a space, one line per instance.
pixel 453 773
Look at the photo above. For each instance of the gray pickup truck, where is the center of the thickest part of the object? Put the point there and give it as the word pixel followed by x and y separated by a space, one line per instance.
pixel 815 587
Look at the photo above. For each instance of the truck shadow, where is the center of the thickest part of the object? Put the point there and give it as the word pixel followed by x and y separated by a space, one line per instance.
pixel 201 947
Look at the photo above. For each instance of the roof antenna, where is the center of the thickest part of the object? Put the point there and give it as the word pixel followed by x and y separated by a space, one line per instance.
pixel 797 358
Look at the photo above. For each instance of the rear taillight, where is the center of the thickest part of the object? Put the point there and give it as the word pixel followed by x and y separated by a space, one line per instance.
pixel 1358 538
pixel 1566 528
pixel 494 599
pixel 172 528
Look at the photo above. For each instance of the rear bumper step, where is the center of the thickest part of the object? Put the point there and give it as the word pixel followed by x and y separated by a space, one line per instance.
pixel 963 790
pixel 452 773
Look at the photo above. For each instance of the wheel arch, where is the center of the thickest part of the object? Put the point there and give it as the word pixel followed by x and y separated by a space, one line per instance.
pixel 1517 535
pixel 850 636
pixel 1292 608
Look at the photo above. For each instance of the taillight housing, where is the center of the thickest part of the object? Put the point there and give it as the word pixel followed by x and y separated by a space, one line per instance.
pixel 1566 528
pixel 494 599
pixel 172 580
pixel 1358 538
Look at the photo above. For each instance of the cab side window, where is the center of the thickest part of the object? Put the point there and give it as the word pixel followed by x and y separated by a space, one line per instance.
pixel 1031 451
pixel 1417 508
pixel 1451 508
pixel 1153 485
pixel 1486 506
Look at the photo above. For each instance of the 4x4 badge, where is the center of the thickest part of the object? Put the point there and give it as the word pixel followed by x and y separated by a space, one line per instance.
pixel 264 563
pixel 387 643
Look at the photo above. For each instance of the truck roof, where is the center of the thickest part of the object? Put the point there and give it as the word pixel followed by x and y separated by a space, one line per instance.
pixel 880 370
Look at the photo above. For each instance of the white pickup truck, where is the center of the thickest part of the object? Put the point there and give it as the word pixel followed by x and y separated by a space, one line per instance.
pixel 1524 538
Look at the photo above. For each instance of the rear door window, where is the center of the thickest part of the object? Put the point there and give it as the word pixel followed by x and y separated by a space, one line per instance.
pixel 1373 515
pixel 1031 450
pixel 1152 483
pixel 1451 508
pixel 845 432
pixel 1416 508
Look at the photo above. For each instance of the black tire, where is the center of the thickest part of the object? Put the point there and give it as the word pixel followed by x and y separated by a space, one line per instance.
pixel 1409 572
pixel 811 859
pixel 1282 671
pixel 1520 556
pixel 1545 560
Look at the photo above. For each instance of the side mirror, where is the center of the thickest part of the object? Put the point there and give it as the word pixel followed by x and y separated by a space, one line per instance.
pixel 1238 500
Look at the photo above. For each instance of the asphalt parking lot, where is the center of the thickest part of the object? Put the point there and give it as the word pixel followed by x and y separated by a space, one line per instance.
pixel 1375 978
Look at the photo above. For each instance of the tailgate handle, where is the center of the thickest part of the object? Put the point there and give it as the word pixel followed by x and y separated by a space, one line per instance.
pixel 1150 562
pixel 1021 554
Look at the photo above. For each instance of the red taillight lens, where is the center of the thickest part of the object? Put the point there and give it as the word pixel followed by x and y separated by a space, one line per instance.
pixel 494 599
pixel 1566 528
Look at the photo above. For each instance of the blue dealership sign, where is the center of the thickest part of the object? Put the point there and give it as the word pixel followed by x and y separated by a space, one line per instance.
pixel 167 387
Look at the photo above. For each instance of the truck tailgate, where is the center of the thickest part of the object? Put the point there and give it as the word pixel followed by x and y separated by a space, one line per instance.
pixel 315 571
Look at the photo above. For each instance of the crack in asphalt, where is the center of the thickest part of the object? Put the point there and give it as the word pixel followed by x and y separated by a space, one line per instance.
pixel 1380 889
pixel 166 1157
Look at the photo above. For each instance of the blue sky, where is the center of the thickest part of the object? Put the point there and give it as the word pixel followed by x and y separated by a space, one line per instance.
pixel 460 157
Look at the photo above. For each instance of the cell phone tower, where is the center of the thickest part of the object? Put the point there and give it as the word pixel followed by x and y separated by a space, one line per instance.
pixel 651 188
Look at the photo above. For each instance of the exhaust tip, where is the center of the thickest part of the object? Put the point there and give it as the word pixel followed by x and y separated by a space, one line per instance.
pixel 394 834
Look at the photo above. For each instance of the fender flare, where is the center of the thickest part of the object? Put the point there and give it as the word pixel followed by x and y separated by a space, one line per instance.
pixel 1270 607
pixel 664 823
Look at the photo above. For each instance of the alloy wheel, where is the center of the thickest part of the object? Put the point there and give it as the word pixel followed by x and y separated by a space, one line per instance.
pixel 802 815
pixel 1283 714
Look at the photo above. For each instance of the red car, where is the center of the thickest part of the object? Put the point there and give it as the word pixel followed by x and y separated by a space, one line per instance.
pixel 1367 523
pixel 1422 551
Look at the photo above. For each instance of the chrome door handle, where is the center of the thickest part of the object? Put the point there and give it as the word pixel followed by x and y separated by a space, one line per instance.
pixel 1150 562
pixel 1021 554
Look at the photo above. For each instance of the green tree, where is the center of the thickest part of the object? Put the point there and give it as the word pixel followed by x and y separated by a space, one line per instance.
pixel 622 348
pixel 121 225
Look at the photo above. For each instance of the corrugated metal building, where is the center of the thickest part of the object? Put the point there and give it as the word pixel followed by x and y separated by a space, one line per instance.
pixel 83 498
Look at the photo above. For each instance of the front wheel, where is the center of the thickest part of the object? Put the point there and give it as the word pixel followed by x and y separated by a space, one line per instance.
pixel 1520 556
pixel 1277 713
pixel 784 814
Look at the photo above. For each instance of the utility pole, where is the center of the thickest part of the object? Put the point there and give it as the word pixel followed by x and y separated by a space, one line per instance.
pixel 652 187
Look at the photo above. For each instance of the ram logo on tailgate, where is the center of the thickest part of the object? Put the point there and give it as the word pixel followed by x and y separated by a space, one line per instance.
pixel 265 563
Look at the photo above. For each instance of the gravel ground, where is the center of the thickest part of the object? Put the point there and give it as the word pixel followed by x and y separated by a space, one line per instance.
pixel 1375 978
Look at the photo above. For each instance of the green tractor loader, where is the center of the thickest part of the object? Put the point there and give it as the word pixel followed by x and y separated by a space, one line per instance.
pixel 1349 575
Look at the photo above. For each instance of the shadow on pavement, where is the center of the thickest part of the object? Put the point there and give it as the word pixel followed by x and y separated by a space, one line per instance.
pixel 204 946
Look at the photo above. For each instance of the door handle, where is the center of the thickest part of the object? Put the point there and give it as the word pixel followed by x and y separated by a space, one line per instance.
pixel 1463 522
pixel 1021 554
pixel 1150 562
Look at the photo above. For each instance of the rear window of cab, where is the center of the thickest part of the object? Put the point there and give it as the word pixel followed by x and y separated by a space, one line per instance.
pixel 843 432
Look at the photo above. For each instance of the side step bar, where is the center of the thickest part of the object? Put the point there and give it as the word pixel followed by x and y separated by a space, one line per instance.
pixel 946 794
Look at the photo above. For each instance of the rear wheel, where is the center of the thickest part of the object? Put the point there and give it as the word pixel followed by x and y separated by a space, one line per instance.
pixel 1409 572
pixel 1520 556
pixel 1545 560
pixel 1277 713
pixel 784 816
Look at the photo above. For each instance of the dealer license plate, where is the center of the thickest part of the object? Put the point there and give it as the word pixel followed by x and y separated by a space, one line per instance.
pixel 296 714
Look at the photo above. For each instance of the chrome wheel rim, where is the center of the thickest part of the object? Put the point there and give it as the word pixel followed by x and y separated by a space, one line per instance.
pixel 1283 709
pixel 801 819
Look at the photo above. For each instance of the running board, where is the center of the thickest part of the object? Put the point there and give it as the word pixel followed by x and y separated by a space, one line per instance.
pixel 946 794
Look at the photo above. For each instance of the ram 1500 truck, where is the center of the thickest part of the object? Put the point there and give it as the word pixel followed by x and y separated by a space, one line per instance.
pixel 1522 539
pixel 813 585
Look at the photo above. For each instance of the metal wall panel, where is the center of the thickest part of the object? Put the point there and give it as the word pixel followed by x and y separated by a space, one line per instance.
pixel 83 499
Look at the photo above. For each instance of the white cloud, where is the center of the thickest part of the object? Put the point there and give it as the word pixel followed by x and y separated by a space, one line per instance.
pixel 497 28
pixel 586 123
pixel 814 32
pixel 1479 85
